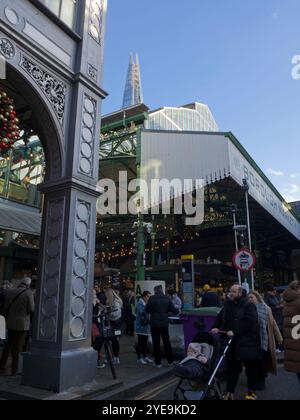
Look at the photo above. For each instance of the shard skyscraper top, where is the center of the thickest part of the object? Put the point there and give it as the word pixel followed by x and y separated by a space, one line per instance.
pixel 133 94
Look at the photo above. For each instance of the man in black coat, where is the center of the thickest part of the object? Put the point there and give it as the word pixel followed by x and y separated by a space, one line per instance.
pixel 239 319
pixel 159 307
pixel 209 298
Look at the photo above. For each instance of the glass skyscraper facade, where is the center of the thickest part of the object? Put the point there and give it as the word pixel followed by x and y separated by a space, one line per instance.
pixel 193 117
pixel 133 94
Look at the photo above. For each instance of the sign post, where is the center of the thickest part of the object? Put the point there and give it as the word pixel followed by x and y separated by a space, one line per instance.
pixel 244 261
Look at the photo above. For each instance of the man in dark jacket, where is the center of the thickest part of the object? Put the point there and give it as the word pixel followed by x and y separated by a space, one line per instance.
pixel 18 308
pixel 209 298
pixel 239 319
pixel 159 307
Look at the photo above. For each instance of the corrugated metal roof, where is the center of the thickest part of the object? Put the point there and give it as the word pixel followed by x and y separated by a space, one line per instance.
pixel 21 219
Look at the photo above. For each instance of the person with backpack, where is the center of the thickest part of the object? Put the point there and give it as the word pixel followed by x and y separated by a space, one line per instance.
pixel 17 310
pixel 115 305
pixel 142 329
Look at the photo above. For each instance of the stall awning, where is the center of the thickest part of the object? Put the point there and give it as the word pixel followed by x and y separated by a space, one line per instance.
pixel 18 218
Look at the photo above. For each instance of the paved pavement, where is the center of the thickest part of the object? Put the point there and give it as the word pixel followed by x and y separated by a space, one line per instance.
pixel 137 382
pixel 284 387
pixel 131 376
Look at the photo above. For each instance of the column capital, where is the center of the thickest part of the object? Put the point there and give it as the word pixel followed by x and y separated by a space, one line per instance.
pixel 68 184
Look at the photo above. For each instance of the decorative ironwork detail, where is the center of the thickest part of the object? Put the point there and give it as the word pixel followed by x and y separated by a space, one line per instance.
pixel 48 318
pixel 7 49
pixel 96 20
pixel 92 72
pixel 80 275
pixel 88 133
pixel 54 89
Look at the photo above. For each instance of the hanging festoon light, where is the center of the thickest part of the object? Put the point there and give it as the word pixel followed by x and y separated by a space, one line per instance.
pixel 9 123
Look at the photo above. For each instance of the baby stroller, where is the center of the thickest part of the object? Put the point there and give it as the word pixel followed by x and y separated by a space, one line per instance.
pixel 201 381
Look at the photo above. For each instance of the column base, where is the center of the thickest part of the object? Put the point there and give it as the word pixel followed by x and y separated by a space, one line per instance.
pixel 58 372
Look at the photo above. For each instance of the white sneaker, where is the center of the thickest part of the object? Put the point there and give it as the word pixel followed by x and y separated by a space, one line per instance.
pixel 116 361
pixel 148 360
pixel 141 361
pixel 101 366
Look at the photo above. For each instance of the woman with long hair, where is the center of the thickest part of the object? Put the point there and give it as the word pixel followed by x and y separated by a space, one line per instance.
pixel 269 336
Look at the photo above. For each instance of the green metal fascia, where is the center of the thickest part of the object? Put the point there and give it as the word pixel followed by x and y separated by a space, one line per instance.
pixel 121 123
pixel 246 155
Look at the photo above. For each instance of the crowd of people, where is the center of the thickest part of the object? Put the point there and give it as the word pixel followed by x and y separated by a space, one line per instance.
pixel 149 317
pixel 260 328
pixel 259 325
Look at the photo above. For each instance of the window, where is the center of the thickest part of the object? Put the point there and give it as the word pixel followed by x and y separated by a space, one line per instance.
pixel 64 9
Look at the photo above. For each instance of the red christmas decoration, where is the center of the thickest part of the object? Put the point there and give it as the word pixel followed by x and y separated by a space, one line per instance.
pixel 9 123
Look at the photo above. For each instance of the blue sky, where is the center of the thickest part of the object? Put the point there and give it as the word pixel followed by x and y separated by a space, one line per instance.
pixel 233 55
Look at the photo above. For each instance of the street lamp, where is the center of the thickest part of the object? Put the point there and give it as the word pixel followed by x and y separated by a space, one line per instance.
pixel 246 189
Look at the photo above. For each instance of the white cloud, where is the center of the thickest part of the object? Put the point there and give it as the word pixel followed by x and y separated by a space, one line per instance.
pixel 275 14
pixel 294 188
pixel 291 192
pixel 294 176
pixel 274 172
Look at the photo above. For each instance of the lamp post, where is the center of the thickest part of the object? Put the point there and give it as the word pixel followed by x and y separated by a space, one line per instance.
pixel 246 188
pixel 234 211
pixel 240 233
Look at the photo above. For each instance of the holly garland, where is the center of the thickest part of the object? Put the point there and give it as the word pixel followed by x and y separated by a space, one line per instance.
pixel 9 123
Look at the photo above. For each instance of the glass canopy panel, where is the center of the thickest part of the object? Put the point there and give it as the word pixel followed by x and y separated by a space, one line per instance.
pixel 64 9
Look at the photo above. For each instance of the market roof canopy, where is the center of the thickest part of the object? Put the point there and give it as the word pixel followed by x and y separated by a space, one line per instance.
pixel 20 219
pixel 211 157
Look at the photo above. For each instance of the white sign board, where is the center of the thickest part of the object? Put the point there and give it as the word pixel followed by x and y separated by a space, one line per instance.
pixel 241 169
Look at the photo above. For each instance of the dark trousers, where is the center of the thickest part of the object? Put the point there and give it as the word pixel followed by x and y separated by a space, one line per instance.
pixel 262 365
pixel 115 342
pixel 141 348
pixel 235 368
pixel 13 346
pixel 163 333
pixel 129 326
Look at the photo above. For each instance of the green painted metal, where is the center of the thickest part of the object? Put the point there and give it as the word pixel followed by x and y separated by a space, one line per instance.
pixel 140 260
pixel 121 124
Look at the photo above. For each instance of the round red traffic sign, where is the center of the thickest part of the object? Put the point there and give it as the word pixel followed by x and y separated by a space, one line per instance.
pixel 244 260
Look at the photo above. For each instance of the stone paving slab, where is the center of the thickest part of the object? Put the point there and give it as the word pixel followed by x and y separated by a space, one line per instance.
pixel 130 375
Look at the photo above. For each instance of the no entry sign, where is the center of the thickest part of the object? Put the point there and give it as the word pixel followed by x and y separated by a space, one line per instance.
pixel 244 260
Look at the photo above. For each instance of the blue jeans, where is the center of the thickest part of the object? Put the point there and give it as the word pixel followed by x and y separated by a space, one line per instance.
pixel 298 376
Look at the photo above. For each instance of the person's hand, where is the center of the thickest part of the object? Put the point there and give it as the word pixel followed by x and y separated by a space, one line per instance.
pixel 230 334
pixel 215 331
